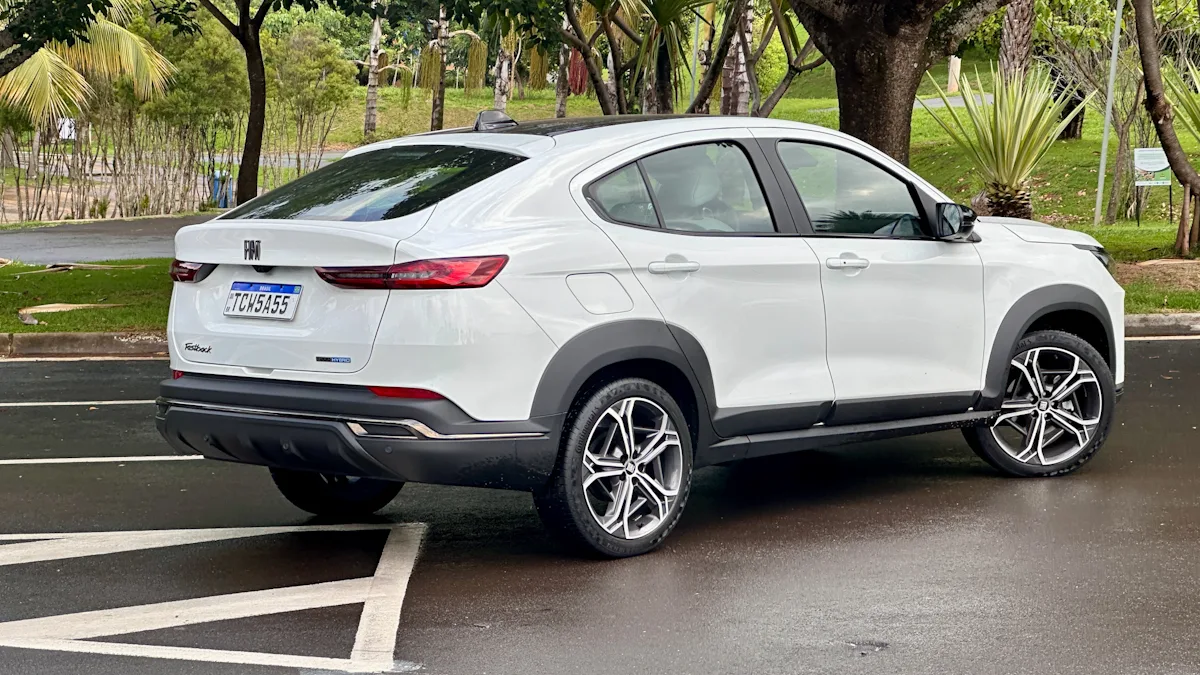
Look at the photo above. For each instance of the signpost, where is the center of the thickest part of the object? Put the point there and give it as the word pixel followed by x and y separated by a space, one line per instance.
pixel 1151 169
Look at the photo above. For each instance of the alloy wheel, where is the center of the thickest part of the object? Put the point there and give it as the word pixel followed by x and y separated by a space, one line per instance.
pixel 632 468
pixel 1052 407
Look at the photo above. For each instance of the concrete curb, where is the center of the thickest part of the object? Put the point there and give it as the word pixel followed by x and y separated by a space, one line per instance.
pixel 21 345
pixel 1156 325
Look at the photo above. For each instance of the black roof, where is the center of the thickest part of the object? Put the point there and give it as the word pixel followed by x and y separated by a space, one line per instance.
pixel 566 125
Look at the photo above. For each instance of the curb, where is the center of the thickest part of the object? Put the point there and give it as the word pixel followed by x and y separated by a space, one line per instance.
pixel 1162 325
pixel 21 345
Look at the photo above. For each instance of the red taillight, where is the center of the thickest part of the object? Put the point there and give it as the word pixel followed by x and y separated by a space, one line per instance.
pixel 440 273
pixel 186 272
pixel 405 392
pixel 176 374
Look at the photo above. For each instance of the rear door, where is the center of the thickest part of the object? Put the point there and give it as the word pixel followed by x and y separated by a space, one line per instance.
pixel 708 236
pixel 259 301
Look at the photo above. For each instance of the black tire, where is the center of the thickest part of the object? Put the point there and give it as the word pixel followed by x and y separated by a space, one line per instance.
pixel 985 445
pixel 563 505
pixel 335 496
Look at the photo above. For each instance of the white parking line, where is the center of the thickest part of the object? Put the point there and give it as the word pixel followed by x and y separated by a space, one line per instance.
pixel 97 460
pixel 382 597
pixel 67 359
pixel 69 404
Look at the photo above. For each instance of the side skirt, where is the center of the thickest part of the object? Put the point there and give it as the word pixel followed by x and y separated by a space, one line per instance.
pixel 761 445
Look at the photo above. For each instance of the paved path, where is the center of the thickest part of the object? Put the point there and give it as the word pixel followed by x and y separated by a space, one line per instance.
pixel 904 556
pixel 97 240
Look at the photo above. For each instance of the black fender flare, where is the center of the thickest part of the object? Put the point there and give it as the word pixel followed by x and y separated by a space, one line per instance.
pixel 1021 315
pixel 598 347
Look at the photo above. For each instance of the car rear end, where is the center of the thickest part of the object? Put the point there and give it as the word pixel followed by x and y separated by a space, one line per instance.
pixel 310 331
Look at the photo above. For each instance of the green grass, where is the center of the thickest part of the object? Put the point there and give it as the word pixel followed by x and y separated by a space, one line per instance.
pixel 145 294
pixel 1147 298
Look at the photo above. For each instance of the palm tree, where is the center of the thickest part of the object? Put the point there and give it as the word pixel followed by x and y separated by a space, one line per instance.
pixel 1016 38
pixel 53 82
pixel 664 49
pixel 1007 139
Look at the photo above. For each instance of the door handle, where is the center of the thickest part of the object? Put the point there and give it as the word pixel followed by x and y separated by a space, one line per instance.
pixel 847 263
pixel 664 267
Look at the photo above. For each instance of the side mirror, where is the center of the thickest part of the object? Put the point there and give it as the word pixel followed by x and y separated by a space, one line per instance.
pixel 954 222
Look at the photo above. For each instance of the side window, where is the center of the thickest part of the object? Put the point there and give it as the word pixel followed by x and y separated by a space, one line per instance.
pixel 622 196
pixel 708 188
pixel 847 195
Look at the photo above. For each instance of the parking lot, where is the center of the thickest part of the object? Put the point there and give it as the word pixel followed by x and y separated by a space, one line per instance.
pixel 900 556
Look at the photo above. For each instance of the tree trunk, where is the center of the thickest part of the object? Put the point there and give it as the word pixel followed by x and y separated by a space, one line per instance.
pixel 503 78
pixel 955 69
pixel 735 82
pixel 1006 203
pixel 372 112
pixel 1118 176
pixel 561 88
pixel 1016 38
pixel 877 83
pixel 704 49
pixel 664 83
pixel 256 119
pixel 438 109
pixel 1074 130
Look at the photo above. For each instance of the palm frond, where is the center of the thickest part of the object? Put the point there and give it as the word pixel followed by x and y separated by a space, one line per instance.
pixel 111 51
pixel 1007 138
pixel 45 87
pixel 1183 95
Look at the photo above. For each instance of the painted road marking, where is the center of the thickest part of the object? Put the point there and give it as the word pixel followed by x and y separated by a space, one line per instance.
pixel 96 460
pixel 68 404
pixel 67 359
pixel 382 597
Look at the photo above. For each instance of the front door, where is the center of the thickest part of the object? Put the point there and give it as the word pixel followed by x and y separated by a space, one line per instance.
pixel 708 241
pixel 904 311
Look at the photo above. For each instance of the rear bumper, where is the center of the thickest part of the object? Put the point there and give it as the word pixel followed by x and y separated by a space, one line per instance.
pixel 349 430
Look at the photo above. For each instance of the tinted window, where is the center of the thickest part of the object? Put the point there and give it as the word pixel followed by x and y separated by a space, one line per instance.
pixel 846 194
pixel 708 188
pixel 380 184
pixel 622 196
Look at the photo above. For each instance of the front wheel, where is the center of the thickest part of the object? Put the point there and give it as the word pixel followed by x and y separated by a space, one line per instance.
pixel 1058 407
pixel 624 471
pixel 334 495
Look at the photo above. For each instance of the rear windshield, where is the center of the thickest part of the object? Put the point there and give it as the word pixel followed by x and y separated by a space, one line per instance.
pixel 380 184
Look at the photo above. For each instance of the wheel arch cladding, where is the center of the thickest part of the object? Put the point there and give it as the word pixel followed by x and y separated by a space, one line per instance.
pixel 633 348
pixel 1066 307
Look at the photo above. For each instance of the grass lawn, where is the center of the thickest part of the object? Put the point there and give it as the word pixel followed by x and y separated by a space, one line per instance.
pixel 144 293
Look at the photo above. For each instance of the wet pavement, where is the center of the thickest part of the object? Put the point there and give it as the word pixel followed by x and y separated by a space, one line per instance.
pixel 99 240
pixel 905 556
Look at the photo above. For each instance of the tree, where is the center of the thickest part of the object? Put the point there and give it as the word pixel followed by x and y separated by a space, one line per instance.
pixel 879 50
pixel 371 114
pixel 247 30
pixel 1016 39
pixel 29 25
pixel 52 82
pixel 1159 108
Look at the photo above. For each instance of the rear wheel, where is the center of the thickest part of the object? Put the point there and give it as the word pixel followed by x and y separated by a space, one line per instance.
pixel 333 495
pixel 1057 410
pixel 624 471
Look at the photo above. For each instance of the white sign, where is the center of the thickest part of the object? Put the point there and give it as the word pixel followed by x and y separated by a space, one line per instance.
pixel 1151 168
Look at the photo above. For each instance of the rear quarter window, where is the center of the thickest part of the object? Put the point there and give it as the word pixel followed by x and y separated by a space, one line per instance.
pixel 379 185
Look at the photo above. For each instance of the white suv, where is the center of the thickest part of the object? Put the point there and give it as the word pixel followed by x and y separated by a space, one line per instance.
pixel 591 309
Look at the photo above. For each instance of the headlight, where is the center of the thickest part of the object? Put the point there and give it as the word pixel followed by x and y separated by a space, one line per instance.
pixel 1101 255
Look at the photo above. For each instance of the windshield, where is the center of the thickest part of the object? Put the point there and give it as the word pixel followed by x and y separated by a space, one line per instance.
pixel 380 184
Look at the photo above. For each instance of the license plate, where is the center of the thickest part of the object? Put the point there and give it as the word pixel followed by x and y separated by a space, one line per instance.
pixel 263 301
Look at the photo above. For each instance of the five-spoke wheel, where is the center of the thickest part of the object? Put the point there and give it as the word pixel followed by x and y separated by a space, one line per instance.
pixel 1057 408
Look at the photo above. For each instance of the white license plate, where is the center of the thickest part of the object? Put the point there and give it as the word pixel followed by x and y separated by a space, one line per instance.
pixel 263 301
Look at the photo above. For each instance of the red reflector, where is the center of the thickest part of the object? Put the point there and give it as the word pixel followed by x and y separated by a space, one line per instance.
pixel 439 273
pixel 176 374
pixel 185 271
pixel 405 392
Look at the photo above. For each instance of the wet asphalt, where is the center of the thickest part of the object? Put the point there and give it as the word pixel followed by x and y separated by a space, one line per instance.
pixel 905 556
pixel 97 240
